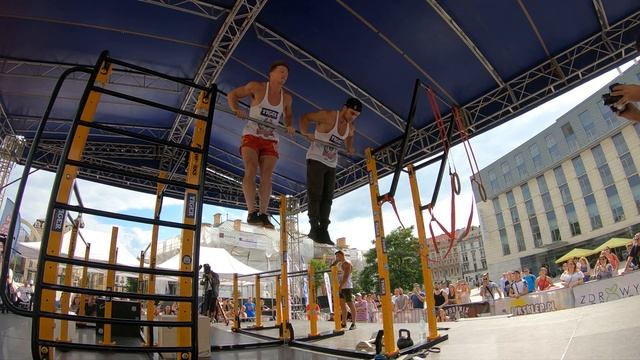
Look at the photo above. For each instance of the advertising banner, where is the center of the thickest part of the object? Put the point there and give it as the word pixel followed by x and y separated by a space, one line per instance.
pixel 535 303
pixel 470 310
pixel 600 291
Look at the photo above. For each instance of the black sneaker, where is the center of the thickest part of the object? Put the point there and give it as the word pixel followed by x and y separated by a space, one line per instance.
pixel 324 238
pixel 314 233
pixel 264 218
pixel 254 218
pixel 353 326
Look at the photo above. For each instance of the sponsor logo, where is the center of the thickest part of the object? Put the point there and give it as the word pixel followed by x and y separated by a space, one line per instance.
pixel 614 292
pixel 190 210
pixel 58 220
pixel 536 308
pixel 268 113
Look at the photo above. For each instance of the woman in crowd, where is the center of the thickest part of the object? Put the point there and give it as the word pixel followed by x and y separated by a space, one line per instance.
pixel 572 277
pixel 585 268
pixel 442 315
pixel 463 291
pixel 452 297
pixel 75 304
pixel 373 308
pixel 633 259
pixel 543 282
pixel 439 295
pixel 603 269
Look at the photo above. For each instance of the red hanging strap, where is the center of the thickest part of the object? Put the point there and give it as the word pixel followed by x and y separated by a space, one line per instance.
pixel 471 156
pixel 388 198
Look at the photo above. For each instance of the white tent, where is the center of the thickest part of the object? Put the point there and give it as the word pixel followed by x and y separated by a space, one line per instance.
pixel 100 243
pixel 220 260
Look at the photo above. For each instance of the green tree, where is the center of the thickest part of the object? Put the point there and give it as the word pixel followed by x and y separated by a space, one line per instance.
pixel 403 253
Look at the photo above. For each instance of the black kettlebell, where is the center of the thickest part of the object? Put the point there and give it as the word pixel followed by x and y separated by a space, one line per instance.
pixel 404 339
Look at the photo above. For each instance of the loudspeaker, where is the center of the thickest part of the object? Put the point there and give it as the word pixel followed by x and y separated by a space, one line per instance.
pixel 121 309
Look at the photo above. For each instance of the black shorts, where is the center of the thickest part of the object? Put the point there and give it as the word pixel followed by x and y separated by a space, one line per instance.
pixel 346 295
pixel 210 298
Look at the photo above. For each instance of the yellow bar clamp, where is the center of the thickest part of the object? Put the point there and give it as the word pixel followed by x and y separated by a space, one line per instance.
pixel 236 308
pixel 277 305
pixel 383 262
pixel 284 291
pixel 258 304
pixel 313 314
pixel 335 295
pixel 424 256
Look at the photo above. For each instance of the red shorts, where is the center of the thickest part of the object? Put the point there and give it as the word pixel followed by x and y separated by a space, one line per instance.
pixel 261 146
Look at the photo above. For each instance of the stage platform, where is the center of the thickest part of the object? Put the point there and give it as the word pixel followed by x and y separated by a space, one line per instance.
pixel 602 331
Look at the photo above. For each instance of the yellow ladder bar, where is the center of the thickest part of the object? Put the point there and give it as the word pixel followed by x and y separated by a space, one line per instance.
pixel 188 236
pixel 50 275
pixel 424 255
pixel 85 280
pixel 383 262
pixel 313 314
pixel 335 296
pixel 153 252
pixel 258 304
pixel 236 308
pixel 111 282
pixel 284 281
pixel 68 274
pixel 277 306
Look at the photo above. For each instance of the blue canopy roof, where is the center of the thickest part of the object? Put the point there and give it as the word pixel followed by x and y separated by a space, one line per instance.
pixel 492 59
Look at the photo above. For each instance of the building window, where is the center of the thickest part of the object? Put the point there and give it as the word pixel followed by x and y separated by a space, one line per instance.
pixel 570 137
pixel 634 184
pixel 493 180
pixel 552 146
pixel 526 194
pixel 534 151
pixel 505 242
pixel 553 226
pixel 506 173
pixel 587 124
pixel 585 184
pixel 484 263
pixel 574 225
pixel 519 237
pixel 625 157
pixel 535 231
pixel 603 167
pixel 609 118
pixel 578 165
pixel 594 213
pixel 520 167
pixel 614 202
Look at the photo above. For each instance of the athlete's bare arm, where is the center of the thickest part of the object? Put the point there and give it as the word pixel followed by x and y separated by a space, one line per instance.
pixel 249 89
pixel 322 118
pixel 288 114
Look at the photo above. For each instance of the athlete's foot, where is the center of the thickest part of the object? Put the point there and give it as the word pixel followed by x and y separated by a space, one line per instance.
pixel 314 233
pixel 264 218
pixel 324 237
pixel 254 218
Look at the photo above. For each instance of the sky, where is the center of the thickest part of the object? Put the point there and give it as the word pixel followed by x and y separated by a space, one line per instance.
pixel 351 213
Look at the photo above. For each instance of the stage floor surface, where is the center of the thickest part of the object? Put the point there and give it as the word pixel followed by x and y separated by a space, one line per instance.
pixel 601 331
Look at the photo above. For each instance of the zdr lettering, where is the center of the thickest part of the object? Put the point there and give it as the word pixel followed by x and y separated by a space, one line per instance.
pixel 609 294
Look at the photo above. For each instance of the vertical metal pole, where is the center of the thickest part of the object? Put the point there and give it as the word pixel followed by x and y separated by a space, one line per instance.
pixel 335 296
pixel 111 280
pixel 141 275
pixel 313 314
pixel 284 277
pixel 258 305
pixel 68 274
pixel 85 280
pixel 383 262
pixel 424 255
pixel 278 305
pixel 236 308
pixel 153 252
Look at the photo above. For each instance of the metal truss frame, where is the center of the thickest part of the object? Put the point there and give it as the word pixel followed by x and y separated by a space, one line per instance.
pixel 5 124
pixel 497 106
pixel 194 7
pixel 236 24
pixel 323 70
pixel 23 68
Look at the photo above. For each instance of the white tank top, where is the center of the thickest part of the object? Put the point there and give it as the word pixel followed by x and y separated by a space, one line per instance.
pixel 348 284
pixel 327 154
pixel 267 113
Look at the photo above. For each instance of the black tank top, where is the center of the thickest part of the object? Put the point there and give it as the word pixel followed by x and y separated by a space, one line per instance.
pixel 439 298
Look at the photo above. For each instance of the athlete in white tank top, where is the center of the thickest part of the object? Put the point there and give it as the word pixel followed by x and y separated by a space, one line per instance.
pixel 320 150
pixel 334 130
pixel 259 142
pixel 266 112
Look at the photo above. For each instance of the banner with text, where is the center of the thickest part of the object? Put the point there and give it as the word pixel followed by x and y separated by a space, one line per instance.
pixel 600 291
pixel 535 303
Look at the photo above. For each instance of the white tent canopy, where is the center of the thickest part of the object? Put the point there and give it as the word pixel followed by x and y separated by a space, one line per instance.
pixel 100 243
pixel 219 259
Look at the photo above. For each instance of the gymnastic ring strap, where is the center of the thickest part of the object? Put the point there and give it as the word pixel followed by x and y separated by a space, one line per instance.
pixel 455 182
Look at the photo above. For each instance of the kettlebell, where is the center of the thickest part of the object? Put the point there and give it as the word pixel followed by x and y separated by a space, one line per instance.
pixel 404 339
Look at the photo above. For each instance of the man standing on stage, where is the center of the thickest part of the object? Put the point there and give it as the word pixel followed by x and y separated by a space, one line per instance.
pixel 259 145
pixel 345 284
pixel 334 129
